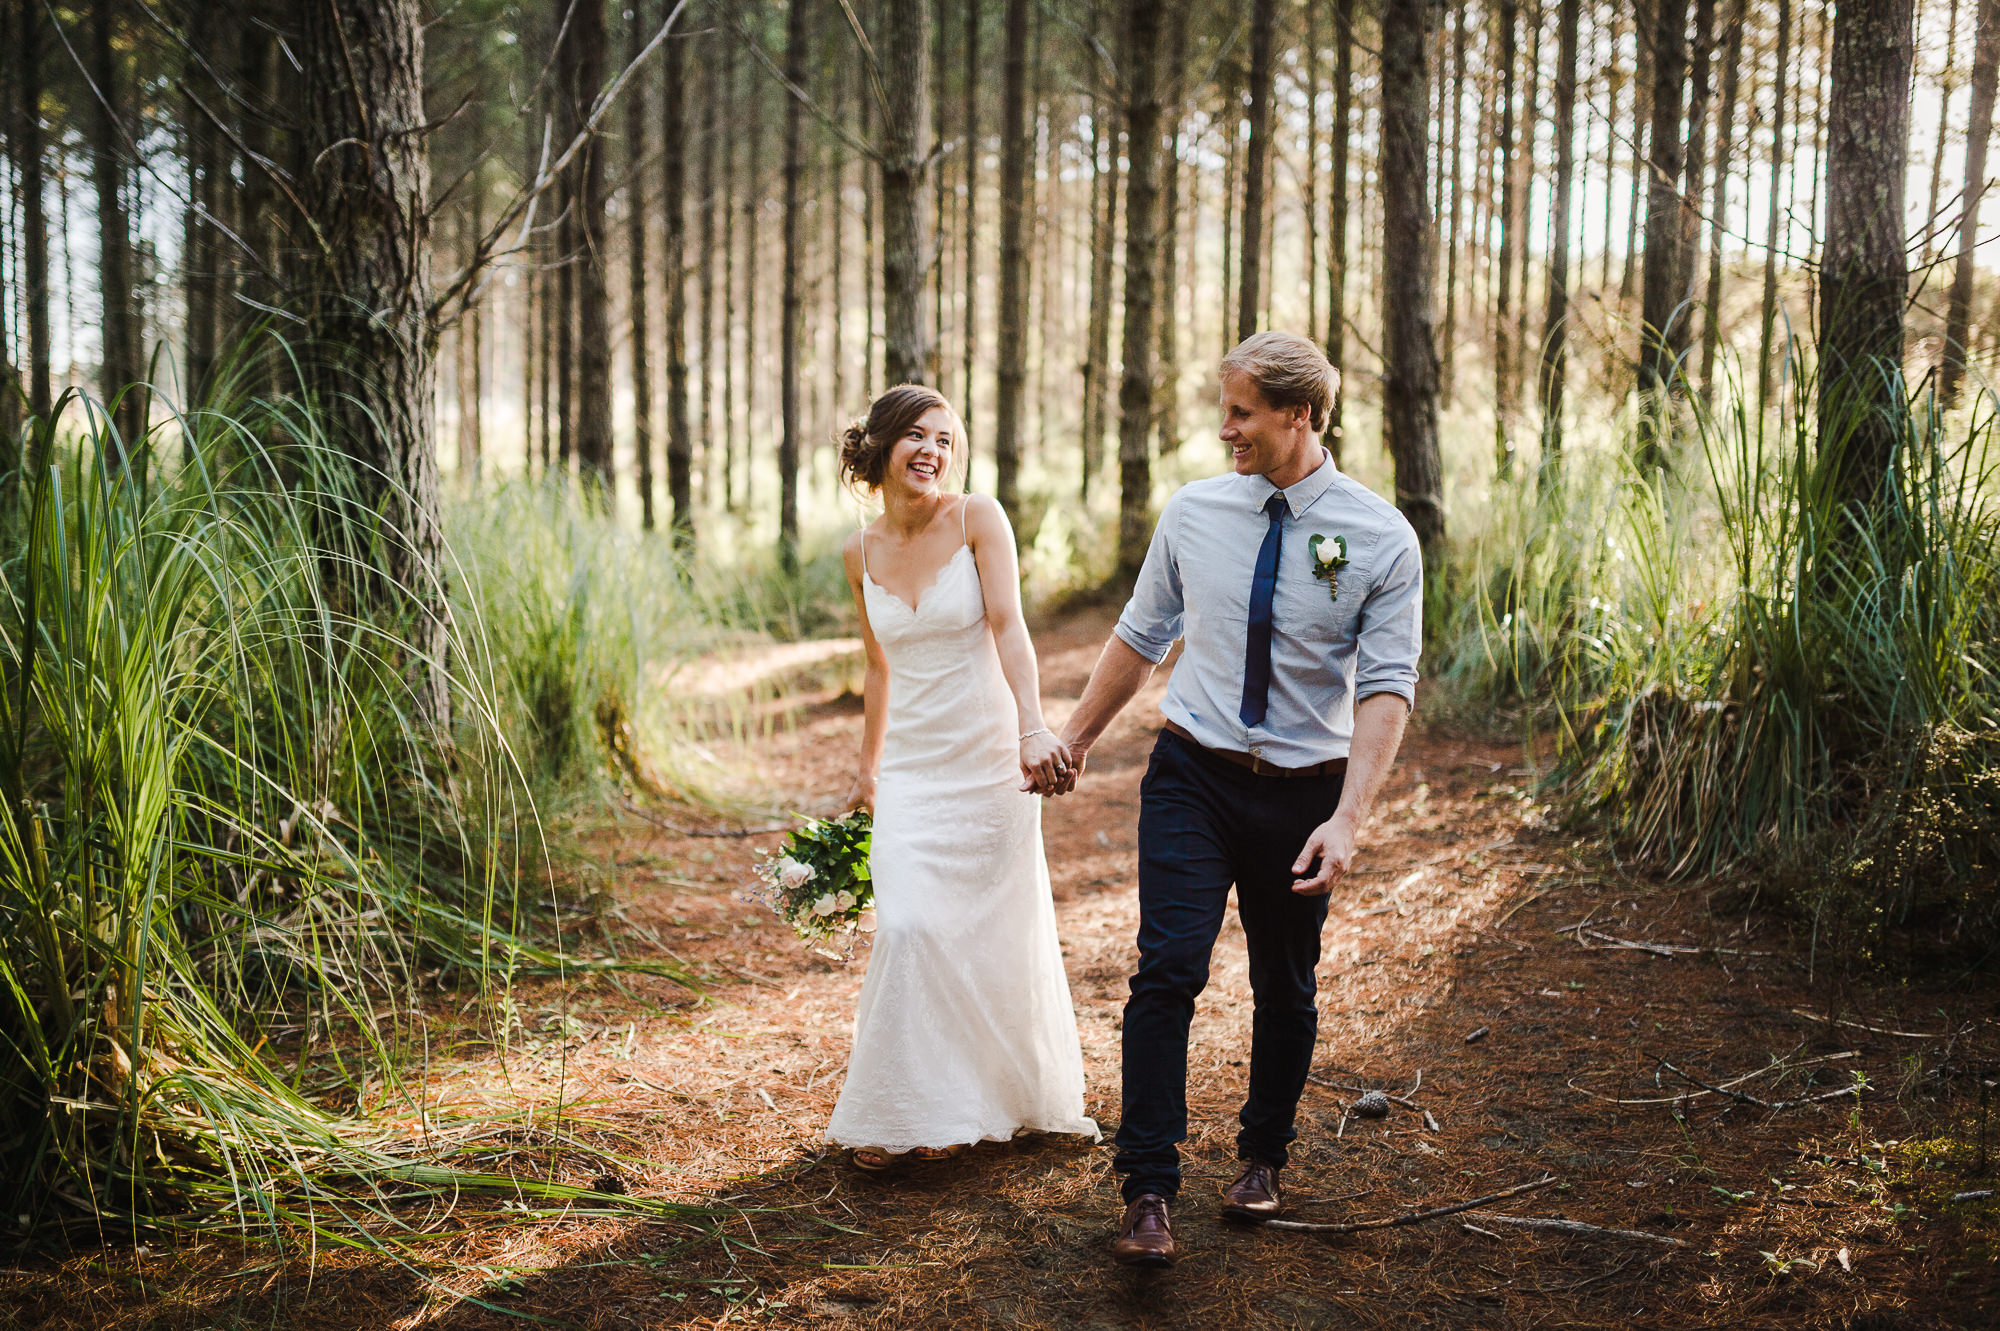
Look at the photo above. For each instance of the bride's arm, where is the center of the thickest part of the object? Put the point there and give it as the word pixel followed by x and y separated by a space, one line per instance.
pixel 1043 758
pixel 874 690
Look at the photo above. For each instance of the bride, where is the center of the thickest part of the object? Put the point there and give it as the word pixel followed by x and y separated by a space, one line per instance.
pixel 964 1032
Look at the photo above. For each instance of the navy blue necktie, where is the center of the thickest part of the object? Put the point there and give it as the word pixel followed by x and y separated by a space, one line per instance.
pixel 1263 587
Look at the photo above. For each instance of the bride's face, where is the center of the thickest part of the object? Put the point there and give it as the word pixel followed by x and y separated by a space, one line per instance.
pixel 921 458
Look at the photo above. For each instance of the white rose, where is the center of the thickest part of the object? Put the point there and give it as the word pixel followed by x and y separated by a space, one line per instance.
pixel 845 901
pixel 825 906
pixel 793 875
pixel 1327 552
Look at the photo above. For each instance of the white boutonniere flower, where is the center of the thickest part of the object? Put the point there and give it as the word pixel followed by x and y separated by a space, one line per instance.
pixel 1329 556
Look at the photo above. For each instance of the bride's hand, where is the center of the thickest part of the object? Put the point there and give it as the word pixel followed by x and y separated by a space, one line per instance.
pixel 861 795
pixel 1044 763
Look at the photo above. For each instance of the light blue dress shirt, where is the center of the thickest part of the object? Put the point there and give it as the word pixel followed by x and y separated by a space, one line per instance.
pixel 1327 651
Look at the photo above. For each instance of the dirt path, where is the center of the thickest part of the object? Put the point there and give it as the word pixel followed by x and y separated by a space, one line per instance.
pixel 1456 921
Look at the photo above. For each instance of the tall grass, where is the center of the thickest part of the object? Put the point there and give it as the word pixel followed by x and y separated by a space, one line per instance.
pixel 1739 669
pixel 232 849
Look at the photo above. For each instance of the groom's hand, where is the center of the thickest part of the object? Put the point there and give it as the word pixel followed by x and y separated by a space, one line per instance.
pixel 1332 844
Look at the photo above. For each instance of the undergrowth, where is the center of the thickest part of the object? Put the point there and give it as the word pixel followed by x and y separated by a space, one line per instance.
pixel 1740 669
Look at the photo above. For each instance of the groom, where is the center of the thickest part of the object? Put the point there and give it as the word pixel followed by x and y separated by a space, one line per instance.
pixel 1299 594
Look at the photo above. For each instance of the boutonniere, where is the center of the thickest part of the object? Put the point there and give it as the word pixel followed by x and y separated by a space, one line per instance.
pixel 1329 556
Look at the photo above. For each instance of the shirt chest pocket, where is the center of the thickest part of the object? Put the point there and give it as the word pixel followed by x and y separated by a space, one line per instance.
pixel 1326 610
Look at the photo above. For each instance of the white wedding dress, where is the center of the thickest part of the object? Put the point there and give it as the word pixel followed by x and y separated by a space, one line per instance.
pixel 964 1031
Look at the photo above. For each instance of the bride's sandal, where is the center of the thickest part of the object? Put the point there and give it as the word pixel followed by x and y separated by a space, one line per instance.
pixel 940 1152
pixel 871 1161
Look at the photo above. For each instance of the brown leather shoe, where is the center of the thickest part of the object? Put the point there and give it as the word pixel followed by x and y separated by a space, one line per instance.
pixel 1145 1235
pixel 1255 1195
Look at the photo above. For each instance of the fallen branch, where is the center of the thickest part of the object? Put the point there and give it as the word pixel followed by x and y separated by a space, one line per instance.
pixel 1872 1030
pixel 1580 1229
pixel 1741 1098
pixel 1412 1218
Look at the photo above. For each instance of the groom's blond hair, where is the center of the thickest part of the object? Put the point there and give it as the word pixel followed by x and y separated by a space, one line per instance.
pixel 1289 371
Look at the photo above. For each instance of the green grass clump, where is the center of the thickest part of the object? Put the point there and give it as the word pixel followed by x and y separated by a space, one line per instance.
pixel 1740 668
pixel 233 846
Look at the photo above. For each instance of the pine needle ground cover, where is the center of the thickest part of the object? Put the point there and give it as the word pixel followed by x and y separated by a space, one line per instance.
pixel 1463 918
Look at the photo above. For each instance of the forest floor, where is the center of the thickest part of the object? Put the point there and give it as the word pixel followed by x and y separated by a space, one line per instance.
pixel 1468 912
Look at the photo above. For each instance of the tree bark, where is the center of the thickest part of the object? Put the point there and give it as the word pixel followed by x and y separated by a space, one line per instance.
pixel 119 380
pixel 791 327
pixel 201 279
pixel 1451 175
pixel 1555 329
pixel 1011 379
pixel 1135 389
pixel 1864 272
pixel 728 329
pixel 1336 222
pixel 1249 295
pixel 1725 147
pixel 673 271
pixel 1104 236
pixel 1167 373
pixel 1644 21
pixel 1503 300
pixel 472 352
pixel 1694 166
pixel 1410 374
pixel 30 157
pixel 904 44
pixel 637 295
pixel 716 87
pixel 970 128
pixel 1661 289
pixel 371 344
pixel 593 263
pixel 1958 317
pixel 1780 70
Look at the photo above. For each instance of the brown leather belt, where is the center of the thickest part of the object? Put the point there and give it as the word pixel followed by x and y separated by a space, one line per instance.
pixel 1250 762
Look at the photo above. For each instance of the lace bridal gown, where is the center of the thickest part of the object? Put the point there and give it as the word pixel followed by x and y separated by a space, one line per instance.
pixel 964 1031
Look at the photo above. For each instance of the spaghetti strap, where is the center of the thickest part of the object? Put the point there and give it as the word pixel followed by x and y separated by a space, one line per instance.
pixel 963 505
pixel 864 552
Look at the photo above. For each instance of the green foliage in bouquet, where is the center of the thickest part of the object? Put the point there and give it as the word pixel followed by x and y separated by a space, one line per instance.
pixel 818 881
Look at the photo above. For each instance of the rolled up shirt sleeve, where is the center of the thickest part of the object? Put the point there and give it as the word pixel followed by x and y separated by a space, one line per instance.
pixel 1390 633
pixel 1151 622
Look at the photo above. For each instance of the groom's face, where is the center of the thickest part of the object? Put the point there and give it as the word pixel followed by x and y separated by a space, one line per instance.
pixel 1261 438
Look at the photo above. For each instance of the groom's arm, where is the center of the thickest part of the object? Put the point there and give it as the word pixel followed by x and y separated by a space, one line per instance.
pixel 1378 733
pixel 1119 674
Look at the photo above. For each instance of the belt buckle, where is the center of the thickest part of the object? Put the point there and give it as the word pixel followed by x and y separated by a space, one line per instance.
pixel 1259 767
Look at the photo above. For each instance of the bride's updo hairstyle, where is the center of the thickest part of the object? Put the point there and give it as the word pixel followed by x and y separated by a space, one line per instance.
pixel 867 442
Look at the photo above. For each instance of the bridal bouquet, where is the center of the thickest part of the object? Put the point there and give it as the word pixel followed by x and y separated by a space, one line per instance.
pixel 818 882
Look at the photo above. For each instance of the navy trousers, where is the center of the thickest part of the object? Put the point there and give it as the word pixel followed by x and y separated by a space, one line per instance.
pixel 1204 824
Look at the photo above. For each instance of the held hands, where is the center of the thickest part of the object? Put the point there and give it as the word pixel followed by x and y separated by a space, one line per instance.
pixel 1332 844
pixel 1046 765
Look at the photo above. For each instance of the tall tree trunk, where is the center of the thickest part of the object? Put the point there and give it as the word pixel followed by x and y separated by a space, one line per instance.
pixel 1613 81
pixel 1780 70
pixel 1452 174
pixel 1167 373
pixel 1410 374
pixel 638 297
pixel 792 325
pixel 970 128
pixel 1104 235
pixel 753 211
pixel 108 144
pixel 472 351
pixel 1864 269
pixel 30 162
pixel 1555 329
pixel 1011 378
pixel 201 248
pixel 673 270
pixel 371 343
pixel 1645 36
pixel 568 195
pixel 728 329
pixel 715 88
pixel 1503 301
pixel 905 51
pixel 1958 318
pixel 1309 168
pixel 1661 290
pixel 1135 389
pixel 1263 36
pixel 593 265
pixel 1947 85
pixel 1725 147
pixel 1525 155
pixel 1336 221
pixel 1694 168
pixel 934 371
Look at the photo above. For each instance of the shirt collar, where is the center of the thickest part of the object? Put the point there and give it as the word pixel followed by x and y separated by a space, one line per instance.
pixel 1301 494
